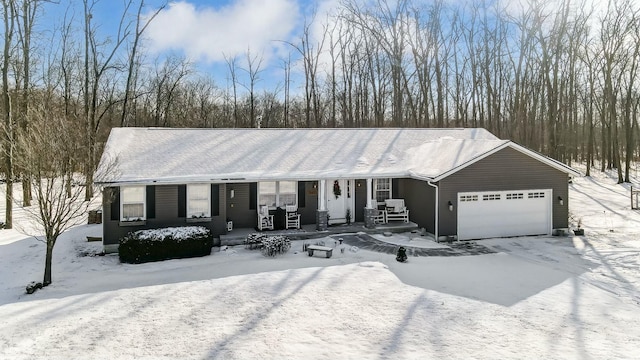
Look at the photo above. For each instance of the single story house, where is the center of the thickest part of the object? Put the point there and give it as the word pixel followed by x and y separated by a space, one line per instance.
pixel 457 183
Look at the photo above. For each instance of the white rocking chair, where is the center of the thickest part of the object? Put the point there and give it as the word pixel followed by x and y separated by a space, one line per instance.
pixel 265 221
pixel 293 218
pixel 380 216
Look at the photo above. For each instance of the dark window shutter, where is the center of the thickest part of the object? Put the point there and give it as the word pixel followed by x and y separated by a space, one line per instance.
pixel 215 199
pixel 253 195
pixel 301 194
pixel 115 204
pixel 182 200
pixel 395 190
pixel 151 202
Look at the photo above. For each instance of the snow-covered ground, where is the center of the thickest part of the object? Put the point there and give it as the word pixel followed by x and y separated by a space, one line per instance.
pixel 537 297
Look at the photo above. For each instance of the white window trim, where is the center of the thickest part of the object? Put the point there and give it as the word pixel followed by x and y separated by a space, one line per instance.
pixel 278 193
pixel 208 214
pixel 144 203
pixel 375 188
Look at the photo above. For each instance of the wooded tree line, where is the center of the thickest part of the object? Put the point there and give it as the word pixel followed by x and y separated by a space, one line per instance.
pixel 559 78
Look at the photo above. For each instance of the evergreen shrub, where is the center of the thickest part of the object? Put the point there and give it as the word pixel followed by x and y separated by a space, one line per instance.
pixel 167 243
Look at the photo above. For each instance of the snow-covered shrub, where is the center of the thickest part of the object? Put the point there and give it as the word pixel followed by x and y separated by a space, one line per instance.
pixel 275 245
pixel 33 286
pixel 254 241
pixel 167 243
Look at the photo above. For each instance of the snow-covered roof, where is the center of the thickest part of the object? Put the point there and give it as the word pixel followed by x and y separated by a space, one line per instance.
pixel 169 155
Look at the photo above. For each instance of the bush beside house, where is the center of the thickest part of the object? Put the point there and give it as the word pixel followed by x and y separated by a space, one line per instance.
pixel 275 245
pixel 167 243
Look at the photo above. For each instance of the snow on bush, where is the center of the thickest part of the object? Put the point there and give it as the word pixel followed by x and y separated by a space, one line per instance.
pixel 177 233
pixel 275 245
pixel 253 240
pixel 166 243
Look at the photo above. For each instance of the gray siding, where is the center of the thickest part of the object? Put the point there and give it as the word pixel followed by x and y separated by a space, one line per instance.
pixel 166 208
pixel 165 197
pixel 222 196
pixel 420 199
pixel 219 223
pixel 111 231
pixel 238 208
pixel 508 169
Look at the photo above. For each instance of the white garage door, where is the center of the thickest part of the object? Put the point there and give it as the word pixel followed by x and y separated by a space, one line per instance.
pixel 504 213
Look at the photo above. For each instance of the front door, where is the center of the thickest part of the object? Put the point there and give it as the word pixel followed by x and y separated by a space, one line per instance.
pixel 336 201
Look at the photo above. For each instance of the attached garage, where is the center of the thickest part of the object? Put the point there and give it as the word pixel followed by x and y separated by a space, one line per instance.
pixel 504 213
pixel 508 191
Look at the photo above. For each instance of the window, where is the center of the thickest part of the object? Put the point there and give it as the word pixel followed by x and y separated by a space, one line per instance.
pixel 515 196
pixel 382 189
pixel 490 197
pixel 132 202
pixel 535 195
pixel 198 200
pixel 287 193
pixel 267 193
pixel 277 193
pixel 467 198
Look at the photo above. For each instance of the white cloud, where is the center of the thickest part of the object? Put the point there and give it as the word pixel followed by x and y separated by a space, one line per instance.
pixel 208 34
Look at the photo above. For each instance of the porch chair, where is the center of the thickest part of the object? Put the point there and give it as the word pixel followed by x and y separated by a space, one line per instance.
pixel 293 218
pixel 265 221
pixel 380 216
pixel 396 210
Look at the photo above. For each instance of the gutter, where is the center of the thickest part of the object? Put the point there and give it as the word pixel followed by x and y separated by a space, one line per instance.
pixel 243 178
pixel 436 215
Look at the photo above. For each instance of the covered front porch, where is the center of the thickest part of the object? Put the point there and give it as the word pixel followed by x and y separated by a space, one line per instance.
pixel 319 204
pixel 237 236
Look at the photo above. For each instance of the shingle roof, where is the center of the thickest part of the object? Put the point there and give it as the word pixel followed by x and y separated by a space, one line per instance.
pixel 169 155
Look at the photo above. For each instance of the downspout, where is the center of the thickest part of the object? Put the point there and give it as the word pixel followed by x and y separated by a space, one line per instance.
pixel 436 223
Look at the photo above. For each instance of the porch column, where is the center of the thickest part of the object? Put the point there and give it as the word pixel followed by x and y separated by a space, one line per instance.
pixel 322 195
pixel 369 191
pixel 369 211
pixel 321 214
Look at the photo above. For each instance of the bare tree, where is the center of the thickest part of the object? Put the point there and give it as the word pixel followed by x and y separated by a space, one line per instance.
pixel 56 209
pixel 98 61
pixel 9 14
pixel 26 20
pixel 232 65
pixel 286 65
pixel 253 69
pixel 205 92
pixel 632 60
pixel 133 56
pixel 310 51
pixel 387 24
pixel 165 86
